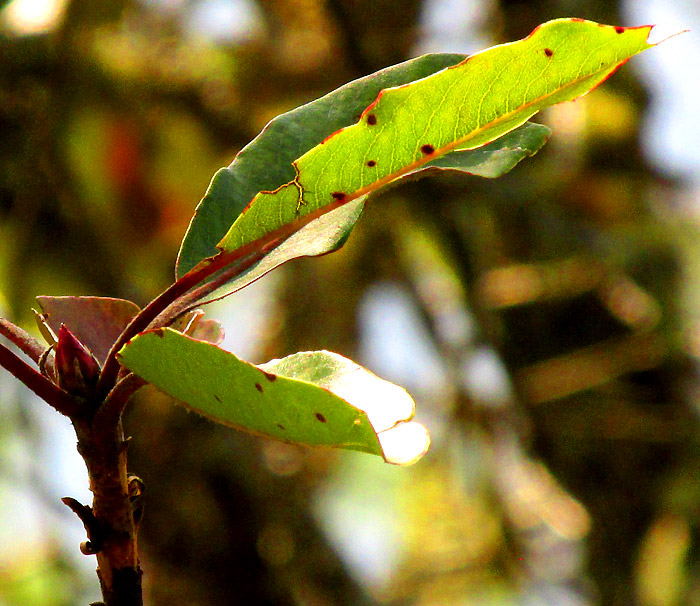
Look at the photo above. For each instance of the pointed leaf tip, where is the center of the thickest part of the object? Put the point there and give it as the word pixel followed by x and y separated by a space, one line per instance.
pixel 465 106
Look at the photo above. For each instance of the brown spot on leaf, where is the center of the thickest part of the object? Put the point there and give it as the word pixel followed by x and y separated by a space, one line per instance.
pixel 427 149
pixel 280 426
pixel 159 332
pixel 371 163
pixel 619 29
pixel 320 417
pixel 217 398
pixel 338 195
pixel 548 51
pixel 269 376
pixel 259 387
pixel 371 119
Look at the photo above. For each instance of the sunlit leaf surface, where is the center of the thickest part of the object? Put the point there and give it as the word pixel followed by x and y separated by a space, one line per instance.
pixel 330 231
pixel 266 162
pixel 463 107
pixel 314 398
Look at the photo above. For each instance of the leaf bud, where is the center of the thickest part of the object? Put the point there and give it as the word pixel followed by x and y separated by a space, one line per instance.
pixel 77 368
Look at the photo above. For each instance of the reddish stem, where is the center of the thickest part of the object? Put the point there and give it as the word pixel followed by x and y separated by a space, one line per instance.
pixel 246 255
pixel 22 339
pixel 39 384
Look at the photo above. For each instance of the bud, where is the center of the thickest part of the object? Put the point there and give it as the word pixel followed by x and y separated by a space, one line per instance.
pixel 77 368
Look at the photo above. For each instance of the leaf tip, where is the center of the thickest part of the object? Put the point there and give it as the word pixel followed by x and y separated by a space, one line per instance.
pixel 405 443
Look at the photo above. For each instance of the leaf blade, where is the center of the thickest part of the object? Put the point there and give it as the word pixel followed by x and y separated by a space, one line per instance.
pixel 296 399
pixel 266 162
pixel 330 231
pixel 346 165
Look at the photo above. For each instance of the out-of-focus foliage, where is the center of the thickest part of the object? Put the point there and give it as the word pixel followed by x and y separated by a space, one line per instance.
pixel 541 322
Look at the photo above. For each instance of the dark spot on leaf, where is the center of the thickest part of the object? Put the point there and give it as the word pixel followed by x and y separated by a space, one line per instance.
pixel 280 426
pixel 320 417
pixel 259 387
pixel 371 163
pixel 548 51
pixel 269 376
pixel 619 29
pixel 338 195
pixel 160 332
pixel 217 398
pixel 371 119
pixel 427 149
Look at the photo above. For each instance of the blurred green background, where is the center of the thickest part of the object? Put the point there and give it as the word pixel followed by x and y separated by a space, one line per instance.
pixel 546 322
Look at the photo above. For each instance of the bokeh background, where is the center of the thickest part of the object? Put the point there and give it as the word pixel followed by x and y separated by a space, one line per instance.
pixel 546 322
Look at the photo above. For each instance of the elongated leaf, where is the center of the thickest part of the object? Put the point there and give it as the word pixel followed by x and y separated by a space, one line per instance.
pixel 266 162
pixel 312 398
pixel 329 232
pixel 465 106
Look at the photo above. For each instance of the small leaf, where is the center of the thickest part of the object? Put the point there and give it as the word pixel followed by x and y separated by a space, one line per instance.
pixel 195 325
pixel 310 398
pixel 95 321
pixel 463 107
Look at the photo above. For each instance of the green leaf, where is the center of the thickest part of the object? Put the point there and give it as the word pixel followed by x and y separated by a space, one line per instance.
pixel 313 398
pixel 462 107
pixel 266 162
pixel 330 231
pixel 496 158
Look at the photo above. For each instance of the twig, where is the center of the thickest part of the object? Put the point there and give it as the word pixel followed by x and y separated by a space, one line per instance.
pixel 111 409
pixel 22 339
pixel 246 255
pixel 39 384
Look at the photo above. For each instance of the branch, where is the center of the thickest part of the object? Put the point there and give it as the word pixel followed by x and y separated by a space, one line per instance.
pixel 192 299
pixel 111 409
pixel 245 256
pixel 22 339
pixel 39 384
